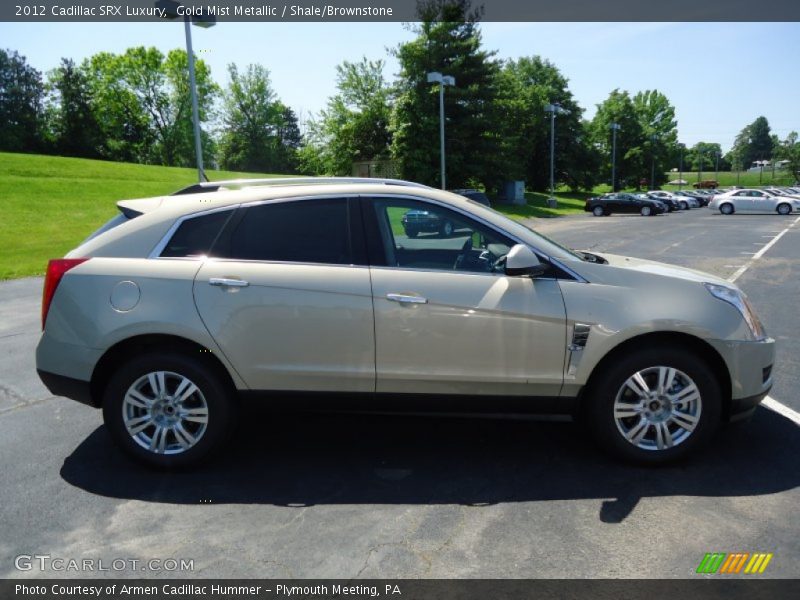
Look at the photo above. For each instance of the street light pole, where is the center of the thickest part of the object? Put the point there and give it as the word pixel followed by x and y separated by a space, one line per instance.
pixel 198 145
pixel 614 128
pixel 681 147
pixel 553 108
pixel 170 8
pixel 699 164
pixel 716 169
pixel 654 139
pixel 442 80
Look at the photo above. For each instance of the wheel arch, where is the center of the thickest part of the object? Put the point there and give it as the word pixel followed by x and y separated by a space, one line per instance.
pixel 133 346
pixel 676 339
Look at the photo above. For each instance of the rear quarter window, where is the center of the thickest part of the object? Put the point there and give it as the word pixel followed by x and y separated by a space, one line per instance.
pixel 196 235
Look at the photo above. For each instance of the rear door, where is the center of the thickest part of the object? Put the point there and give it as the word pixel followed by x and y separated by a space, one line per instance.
pixel 287 296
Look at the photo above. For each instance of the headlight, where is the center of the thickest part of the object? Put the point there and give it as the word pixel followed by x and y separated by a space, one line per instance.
pixel 736 298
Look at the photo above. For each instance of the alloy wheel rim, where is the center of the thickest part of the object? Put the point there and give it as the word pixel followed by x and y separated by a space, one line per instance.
pixel 657 408
pixel 165 412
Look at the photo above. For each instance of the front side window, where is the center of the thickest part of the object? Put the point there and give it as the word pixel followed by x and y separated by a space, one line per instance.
pixel 311 231
pixel 419 235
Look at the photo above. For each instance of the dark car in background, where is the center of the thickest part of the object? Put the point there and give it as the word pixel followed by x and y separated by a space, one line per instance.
pixel 622 202
pixel 419 221
pixel 476 195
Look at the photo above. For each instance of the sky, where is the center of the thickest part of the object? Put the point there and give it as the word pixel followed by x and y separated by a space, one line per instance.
pixel 719 76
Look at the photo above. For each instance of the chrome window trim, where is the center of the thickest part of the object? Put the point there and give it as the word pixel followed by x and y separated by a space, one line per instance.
pixel 486 224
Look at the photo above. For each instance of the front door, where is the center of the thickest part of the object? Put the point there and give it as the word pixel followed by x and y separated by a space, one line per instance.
pixel 447 319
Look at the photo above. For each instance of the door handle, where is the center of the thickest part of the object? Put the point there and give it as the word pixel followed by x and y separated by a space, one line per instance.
pixel 228 282
pixel 406 298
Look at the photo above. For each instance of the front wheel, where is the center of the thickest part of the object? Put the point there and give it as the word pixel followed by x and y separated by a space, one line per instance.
pixel 646 211
pixel 684 206
pixel 168 409
pixel 726 209
pixel 446 230
pixel 784 209
pixel 598 211
pixel 654 406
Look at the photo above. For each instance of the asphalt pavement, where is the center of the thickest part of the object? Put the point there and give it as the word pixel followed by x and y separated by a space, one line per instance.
pixel 368 496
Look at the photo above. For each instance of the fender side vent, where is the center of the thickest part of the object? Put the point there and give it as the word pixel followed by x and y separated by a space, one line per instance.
pixel 580 335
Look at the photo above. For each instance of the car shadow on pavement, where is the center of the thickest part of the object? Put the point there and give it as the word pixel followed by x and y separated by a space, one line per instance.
pixel 306 460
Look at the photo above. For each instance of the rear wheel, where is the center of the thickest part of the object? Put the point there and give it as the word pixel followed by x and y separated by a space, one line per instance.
pixel 411 232
pixel 646 211
pixel 726 209
pixel 784 209
pixel 168 409
pixel 654 406
pixel 685 205
pixel 446 230
pixel 598 211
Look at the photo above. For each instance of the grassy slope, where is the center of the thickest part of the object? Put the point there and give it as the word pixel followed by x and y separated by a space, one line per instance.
pixel 50 203
pixel 568 202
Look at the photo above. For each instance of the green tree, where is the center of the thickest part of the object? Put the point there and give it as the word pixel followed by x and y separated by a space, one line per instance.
pixel 754 142
pixel 354 125
pixel 142 102
pixel 448 41
pixel 630 156
pixel 21 104
pixel 789 149
pixel 259 132
pixel 657 122
pixel 73 126
pixel 527 85
pixel 703 157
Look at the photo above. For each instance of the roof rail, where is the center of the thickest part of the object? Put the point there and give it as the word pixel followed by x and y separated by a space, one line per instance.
pixel 213 186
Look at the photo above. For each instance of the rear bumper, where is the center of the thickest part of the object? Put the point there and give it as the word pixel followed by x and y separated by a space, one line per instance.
pixel 74 389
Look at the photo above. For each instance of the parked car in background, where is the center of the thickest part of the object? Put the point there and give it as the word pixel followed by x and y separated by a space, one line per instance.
pixel 670 203
pixel 754 201
pixel 421 221
pixel 623 202
pixel 684 202
pixel 702 199
pixel 476 195
pixel 307 291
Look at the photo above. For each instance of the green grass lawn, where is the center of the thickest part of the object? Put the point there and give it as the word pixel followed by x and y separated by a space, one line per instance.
pixel 568 202
pixel 51 203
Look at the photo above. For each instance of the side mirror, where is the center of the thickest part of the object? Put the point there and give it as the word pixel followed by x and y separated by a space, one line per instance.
pixel 521 261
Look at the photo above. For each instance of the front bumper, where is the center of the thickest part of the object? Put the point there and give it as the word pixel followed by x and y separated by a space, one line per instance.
pixel 750 365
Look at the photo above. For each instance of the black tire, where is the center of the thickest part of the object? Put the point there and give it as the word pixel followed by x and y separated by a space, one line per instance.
pixel 216 392
pixel 598 211
pixel 784 209
pixel 446 230
pixel 684 205
pixel 646 211
pixel 412 233
pixel 602 394
pixel 727 209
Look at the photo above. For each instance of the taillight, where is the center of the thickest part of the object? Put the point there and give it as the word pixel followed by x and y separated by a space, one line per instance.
pixel 55 271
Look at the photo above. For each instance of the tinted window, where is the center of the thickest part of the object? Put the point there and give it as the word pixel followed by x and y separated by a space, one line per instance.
pixel 418 235
pixel 196 235
pixel 315 231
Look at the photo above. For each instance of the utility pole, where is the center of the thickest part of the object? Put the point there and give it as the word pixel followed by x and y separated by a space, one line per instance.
pixel 614 128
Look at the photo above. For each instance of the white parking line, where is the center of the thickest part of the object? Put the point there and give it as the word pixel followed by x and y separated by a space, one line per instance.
pixel 770 402
pixel 783 410
pixel 740 271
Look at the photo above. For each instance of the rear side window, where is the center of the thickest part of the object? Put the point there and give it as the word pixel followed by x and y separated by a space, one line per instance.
pixel 314 231
pixel 196 235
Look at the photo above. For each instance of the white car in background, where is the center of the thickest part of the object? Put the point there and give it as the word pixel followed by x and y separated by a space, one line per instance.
pixel 754 201
pixel 682 201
